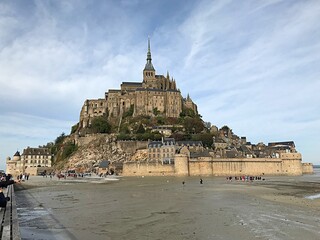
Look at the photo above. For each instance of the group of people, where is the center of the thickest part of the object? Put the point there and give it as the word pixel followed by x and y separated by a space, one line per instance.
pixel 23 176
pixel 201 182
pixel 244 178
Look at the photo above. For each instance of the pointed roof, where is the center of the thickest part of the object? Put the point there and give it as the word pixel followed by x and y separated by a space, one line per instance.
pixel 149 65
pixel 17 154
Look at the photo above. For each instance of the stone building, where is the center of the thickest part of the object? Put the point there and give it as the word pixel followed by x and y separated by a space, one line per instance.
pixel 156 94
pixel 14 166
pixel 162 151
pixel 36 157
pixel 31 161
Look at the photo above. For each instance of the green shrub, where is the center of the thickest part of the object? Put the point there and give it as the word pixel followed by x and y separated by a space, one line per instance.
pixel 100 125
pixel 68 149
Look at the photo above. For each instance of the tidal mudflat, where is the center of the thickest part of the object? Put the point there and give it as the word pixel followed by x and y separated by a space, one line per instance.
pixel 164 208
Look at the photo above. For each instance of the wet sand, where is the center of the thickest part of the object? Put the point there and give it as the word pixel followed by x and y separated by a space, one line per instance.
pixel 164 208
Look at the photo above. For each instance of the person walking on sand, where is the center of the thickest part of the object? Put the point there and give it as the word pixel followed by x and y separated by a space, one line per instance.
pixel 201 181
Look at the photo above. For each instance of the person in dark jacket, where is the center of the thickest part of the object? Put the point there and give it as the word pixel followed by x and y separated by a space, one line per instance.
pixel 4 184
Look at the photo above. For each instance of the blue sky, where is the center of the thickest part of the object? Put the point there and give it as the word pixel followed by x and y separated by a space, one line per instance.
pixel 251 65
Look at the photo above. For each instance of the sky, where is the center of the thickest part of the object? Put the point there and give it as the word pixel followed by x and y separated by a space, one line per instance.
pixel 251 65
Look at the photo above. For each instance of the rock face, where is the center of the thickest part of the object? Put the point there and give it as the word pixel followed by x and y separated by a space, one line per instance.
pixel 95 148
pixel 140 155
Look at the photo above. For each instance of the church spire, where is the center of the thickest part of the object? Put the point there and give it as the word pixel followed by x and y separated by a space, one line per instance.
pixel 149 65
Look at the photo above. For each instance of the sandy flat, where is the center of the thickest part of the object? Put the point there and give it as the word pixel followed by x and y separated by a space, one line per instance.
pixel 164 208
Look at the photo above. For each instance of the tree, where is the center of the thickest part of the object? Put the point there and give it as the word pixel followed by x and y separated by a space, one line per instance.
pixel 74 128
pixel 124 128
pixel 141 129
pixel 68 149
pixel 129 113
pixel 193 125
pixel 205 138
pixel 187 112
pixel 100 125
pixel 156 111
pixel 59 140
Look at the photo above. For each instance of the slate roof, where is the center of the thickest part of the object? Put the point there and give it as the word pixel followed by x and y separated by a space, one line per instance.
pixel 17 154
pixel 104 164
pixel 132 83
pixel 204 153
pixel 36 151
pixel 165 141
pixel 189 143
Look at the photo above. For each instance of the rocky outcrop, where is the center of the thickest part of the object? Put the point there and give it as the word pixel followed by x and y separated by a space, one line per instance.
pixel 140 155
pixel 93 149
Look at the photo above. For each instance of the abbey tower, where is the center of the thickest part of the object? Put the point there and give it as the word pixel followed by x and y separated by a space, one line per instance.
pixel 156 94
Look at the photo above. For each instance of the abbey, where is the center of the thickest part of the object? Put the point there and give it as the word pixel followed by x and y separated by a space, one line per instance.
pixel 156 94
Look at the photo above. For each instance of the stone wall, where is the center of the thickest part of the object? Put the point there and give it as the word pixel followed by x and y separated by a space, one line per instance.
pixel 181 166
pixel 217 167
pixel 35 171
pixel 307 168
pixel 131 146
pixel 235 167
pixel 245 166
pixel 147 169
pixel 291 163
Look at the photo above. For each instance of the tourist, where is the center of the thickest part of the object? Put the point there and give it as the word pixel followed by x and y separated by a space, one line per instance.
pixel 6 183
pixel 201 181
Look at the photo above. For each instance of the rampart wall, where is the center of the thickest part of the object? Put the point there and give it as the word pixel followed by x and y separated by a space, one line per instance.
pixel 235 167
pixel 147 169
pixel 307 168
pixel 218 167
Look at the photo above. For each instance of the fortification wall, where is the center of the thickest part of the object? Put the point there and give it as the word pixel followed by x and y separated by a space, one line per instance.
pixel 218 167
pixel 147 169
pixel 307 168
pixel 291 163
pixel 85 140
pixel 181 167
pixel 235 167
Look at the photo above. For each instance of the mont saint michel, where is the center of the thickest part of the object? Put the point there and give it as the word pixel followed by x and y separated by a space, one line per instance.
pixel 207 129
pixel 148 128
